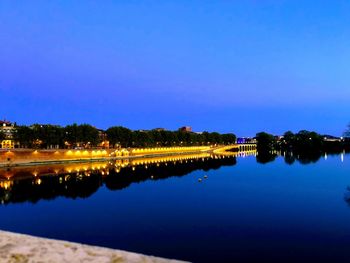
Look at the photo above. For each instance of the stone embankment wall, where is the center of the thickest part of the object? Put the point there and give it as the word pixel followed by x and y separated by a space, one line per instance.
pixel 19 156
pixel 31 156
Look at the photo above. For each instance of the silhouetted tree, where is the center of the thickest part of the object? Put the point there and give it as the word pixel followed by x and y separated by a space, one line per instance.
pixel 2 135
pixel 265 141
pixel 228 138
pixel 119 135
pixel 47 136
pixel 140 139
pixel 84 134
pixel 288 140
pixel 24 135
pixel 307 141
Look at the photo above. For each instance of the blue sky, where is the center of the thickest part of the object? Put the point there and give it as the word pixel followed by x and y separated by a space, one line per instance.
pixel 227 66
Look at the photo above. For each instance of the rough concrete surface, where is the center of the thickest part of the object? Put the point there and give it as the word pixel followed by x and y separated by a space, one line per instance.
pixel 18 248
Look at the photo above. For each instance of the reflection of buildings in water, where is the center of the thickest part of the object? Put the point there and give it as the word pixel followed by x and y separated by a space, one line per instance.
pixel 19 184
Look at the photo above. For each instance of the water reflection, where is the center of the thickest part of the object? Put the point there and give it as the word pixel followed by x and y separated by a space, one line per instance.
pixel 289 158
pixel 273 210
pixel 21 184
pixel 347 195
pixel 266 157
pixel 301 157
pixel 81 180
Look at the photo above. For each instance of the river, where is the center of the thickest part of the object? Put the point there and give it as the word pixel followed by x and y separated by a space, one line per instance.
pixel 201 208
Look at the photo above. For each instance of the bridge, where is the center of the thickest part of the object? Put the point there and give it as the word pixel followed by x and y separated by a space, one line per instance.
pixel 236 148
pixel 136 152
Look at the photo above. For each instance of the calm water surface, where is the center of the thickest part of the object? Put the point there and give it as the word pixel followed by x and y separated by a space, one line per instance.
pixel 244 211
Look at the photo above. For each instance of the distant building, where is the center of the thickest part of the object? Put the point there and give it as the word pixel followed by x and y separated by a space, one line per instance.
pixel 7 128
pixel 155 129
pixel 279 138
pixel 330 138
pixel 186 129
pixel 104 143
pixel 242 140
pixel 159 129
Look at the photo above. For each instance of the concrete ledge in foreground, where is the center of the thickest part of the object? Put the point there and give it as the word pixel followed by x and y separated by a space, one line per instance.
pixel 18 248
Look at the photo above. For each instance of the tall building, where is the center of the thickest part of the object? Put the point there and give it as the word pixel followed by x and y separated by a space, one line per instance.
pixel 186 129
pixel 7 128
pixel 104 143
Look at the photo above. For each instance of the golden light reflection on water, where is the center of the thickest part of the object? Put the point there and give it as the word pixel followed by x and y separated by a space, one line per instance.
pixel 7 176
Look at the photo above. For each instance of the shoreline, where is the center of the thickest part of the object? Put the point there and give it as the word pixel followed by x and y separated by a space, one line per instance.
pixel 15 247
pixel 33 157
pixel 104 159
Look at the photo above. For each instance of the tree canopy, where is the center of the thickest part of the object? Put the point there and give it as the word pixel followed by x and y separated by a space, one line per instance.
pixel 48 136
pixel 123 137
pixel 85 135
pixel 265 141
pixel 2 135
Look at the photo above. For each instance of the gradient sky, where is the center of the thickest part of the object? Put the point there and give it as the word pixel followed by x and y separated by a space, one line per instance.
pixel 227 66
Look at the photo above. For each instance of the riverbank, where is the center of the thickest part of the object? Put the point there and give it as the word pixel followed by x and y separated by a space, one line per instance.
pixel 19 248
pixel 30 157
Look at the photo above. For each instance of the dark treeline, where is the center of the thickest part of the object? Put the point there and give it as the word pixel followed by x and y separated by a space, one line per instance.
pixel 53 136
pixel 77 186
pixel 87 136
pixel 303 142
pixel 305 146
pixel 120 136
pixel 2 135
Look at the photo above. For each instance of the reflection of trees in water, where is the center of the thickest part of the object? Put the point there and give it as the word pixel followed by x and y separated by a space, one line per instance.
pixel 264 157
pixel 83 185
pixel 50 187
pixel 302 157
pixel 308 157
pixel 290 157
pixel 127 176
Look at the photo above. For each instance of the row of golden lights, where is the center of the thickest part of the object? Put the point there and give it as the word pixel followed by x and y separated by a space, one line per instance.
pixel 125 152
pixel 69 168
pixel 140 161
pixel 68 152
pixel 170 149
pixel 122 152
pixel 102 167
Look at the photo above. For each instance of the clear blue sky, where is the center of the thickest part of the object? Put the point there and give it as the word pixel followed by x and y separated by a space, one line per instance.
pixel 227 66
